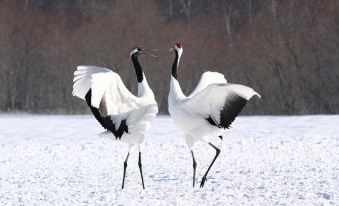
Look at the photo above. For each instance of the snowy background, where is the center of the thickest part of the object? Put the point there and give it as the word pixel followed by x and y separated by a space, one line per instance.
pixel 264 160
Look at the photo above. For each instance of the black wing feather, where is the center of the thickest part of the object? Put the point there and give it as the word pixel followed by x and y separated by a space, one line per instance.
pixel 232 107
pixel 106 122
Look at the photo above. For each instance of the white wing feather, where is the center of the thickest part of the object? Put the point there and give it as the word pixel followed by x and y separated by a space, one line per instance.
pixel 82 79
pixel 105 85
pixel 211 100
pixel 208 78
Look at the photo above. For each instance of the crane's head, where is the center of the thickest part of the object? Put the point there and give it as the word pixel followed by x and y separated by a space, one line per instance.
pixel 136 51
pixel 177 48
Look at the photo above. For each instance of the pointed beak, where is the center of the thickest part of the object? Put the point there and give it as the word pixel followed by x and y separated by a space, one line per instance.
pixel 171 49
pixel 149 52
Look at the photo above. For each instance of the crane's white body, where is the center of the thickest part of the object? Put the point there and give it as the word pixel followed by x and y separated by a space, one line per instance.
pixel 207 100
pixel 113 99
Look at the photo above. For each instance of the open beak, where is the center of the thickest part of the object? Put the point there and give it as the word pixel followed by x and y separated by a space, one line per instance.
pixel 149 52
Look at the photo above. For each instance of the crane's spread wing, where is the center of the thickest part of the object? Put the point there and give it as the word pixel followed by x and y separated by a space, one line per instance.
pixel 208 78
pixel 108 92
pixel 219 104
pixel 105 95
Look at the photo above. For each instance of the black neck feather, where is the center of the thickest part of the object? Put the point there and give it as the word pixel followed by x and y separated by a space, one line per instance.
pixel 175 65
pixel 137 67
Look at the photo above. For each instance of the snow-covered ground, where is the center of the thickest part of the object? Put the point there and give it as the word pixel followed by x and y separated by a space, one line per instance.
pixel 268 160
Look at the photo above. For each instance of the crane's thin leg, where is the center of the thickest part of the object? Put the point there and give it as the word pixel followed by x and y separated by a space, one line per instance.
pixel 140 168
pixel 125 166
pixel 194 167
pixel 216 155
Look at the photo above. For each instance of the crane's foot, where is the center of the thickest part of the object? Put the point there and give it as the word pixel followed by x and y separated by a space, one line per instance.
pixel 203 180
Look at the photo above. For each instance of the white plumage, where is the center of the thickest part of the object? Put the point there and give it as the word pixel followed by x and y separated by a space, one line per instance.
pixel 125 116
pixel 115 99
pixel 206 79
pixel 208 110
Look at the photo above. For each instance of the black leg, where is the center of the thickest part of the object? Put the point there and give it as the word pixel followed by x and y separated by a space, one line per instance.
pixel 216 155
pixel 140 167
pixel 194 167
pixel 125 166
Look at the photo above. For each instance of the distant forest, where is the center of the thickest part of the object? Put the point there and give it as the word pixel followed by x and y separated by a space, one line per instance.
pixel 287 50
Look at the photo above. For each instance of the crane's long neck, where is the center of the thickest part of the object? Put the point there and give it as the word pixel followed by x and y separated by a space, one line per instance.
pixel 137 67
pixel 143 87
pixel 175 65
pixel 175 89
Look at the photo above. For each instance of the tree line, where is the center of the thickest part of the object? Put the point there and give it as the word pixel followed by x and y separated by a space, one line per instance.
pixel 286 50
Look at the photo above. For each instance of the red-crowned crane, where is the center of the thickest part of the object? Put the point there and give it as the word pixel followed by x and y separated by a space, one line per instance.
pixel 126 117
pixel 208 110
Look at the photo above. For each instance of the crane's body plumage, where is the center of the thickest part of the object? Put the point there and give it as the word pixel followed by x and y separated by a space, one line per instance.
pixel 115 103
pixel 200 115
